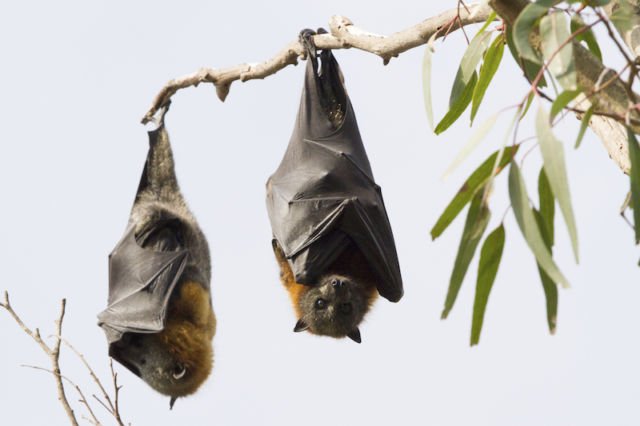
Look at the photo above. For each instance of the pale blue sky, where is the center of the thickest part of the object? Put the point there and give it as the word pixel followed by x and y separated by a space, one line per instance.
pixel 77 78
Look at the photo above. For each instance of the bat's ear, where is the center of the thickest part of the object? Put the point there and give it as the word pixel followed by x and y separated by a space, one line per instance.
pixel 355 335
pixel 172 401
pixel 300 326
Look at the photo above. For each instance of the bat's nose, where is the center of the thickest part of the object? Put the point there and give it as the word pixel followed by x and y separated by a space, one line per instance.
pixel 337 283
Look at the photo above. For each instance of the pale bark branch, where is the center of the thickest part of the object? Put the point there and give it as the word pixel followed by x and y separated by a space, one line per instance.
pixel 613 99
pixel 344 35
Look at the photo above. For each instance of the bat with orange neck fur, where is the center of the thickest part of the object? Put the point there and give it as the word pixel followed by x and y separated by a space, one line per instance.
pixel 159 320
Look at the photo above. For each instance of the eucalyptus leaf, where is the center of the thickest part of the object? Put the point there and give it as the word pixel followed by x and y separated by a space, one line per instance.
pixel 488 69
pixel 477 137
pixel 470 187
pixel 524 24
pixel 458 108
pixel 468 65
pixel 557 51
pixel 426 85
pixel 562 101
pixel 586 36
pixel 548 286
pixel 555 169
pixel 547 208
pixel 584 123
pixel 529 227
pixel 634 175
pixel 490 256
pixel 529 68
pixel 475 225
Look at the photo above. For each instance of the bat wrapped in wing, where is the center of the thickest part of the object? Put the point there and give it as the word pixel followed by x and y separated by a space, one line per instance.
pixel 331 233
pixel 159 321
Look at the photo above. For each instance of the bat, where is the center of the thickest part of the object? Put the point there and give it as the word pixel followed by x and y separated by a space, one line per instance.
pixel 331 234
pixel 159 321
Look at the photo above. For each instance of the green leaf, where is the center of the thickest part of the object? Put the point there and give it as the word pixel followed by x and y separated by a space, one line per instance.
pixel 479 134
pixel 583 125
pixel 530 69
pixel 426 85
pixel 555 169
pixel 634 175
pixel 562 101
pixel 524 24
pixel 527 223
pixel 527 105
pixel 468 64
pixel 587 36
pixel 477 220
pixel 548 286
pixel 545 218
pixel 554 33
pixel 477 180
pixel 488 69
pixel 624 16
pixel 458 108
pixel 547 208
pixel 490 256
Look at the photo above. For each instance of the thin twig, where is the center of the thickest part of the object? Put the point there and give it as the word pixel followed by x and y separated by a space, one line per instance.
pixel 82 400
pixel 91 373
pixel 52 353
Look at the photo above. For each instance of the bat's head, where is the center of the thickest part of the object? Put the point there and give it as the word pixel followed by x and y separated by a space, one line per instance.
pixel 334 307
pixel 174 362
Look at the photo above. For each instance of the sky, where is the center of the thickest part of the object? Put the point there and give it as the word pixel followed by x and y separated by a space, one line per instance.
pixel 78 76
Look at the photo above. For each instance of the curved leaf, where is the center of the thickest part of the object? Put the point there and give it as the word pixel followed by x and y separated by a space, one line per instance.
pixel 426 85
pixel 468 65
pixel 523 26
pixel 548 286
pixel 554 34
pixel 477 180
pixel 477 220
pixel 527 223
pixel 458 108
pixel 634 175
pixel 587 36
pixel 584 123
pixel 562 101
pixel 488 69
pixel 555 169
pixel 476 138
pixel 490 256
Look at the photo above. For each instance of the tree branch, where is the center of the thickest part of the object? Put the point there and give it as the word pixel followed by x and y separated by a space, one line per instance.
pixel 344 35
pixel 590 72
pixel 52 353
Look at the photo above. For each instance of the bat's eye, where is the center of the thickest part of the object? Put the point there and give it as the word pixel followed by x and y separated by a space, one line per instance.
pixel 320 304
pixel 179 371
pixel 346 308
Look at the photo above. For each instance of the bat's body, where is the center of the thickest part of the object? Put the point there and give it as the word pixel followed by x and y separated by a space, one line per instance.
pixel 331 233
pixel 160 322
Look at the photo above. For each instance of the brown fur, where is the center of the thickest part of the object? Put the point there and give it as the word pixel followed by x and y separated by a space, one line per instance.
pixel 190 327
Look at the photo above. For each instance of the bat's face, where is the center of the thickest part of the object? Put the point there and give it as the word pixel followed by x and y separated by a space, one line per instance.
pixel 333 308
pixel 173 362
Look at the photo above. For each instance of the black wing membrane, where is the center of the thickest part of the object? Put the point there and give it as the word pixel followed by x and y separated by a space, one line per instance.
pixel 150 259
pixel 323 195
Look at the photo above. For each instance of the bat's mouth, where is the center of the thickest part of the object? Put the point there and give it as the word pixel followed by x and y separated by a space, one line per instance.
pixel 116 353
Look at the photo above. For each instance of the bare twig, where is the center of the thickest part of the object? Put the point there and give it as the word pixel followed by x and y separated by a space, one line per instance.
pixel 94 420
pixel 52 353
pixel 343 35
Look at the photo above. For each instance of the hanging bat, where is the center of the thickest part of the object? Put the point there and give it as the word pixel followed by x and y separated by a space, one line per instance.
pixel 331 234
pixel 159 320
